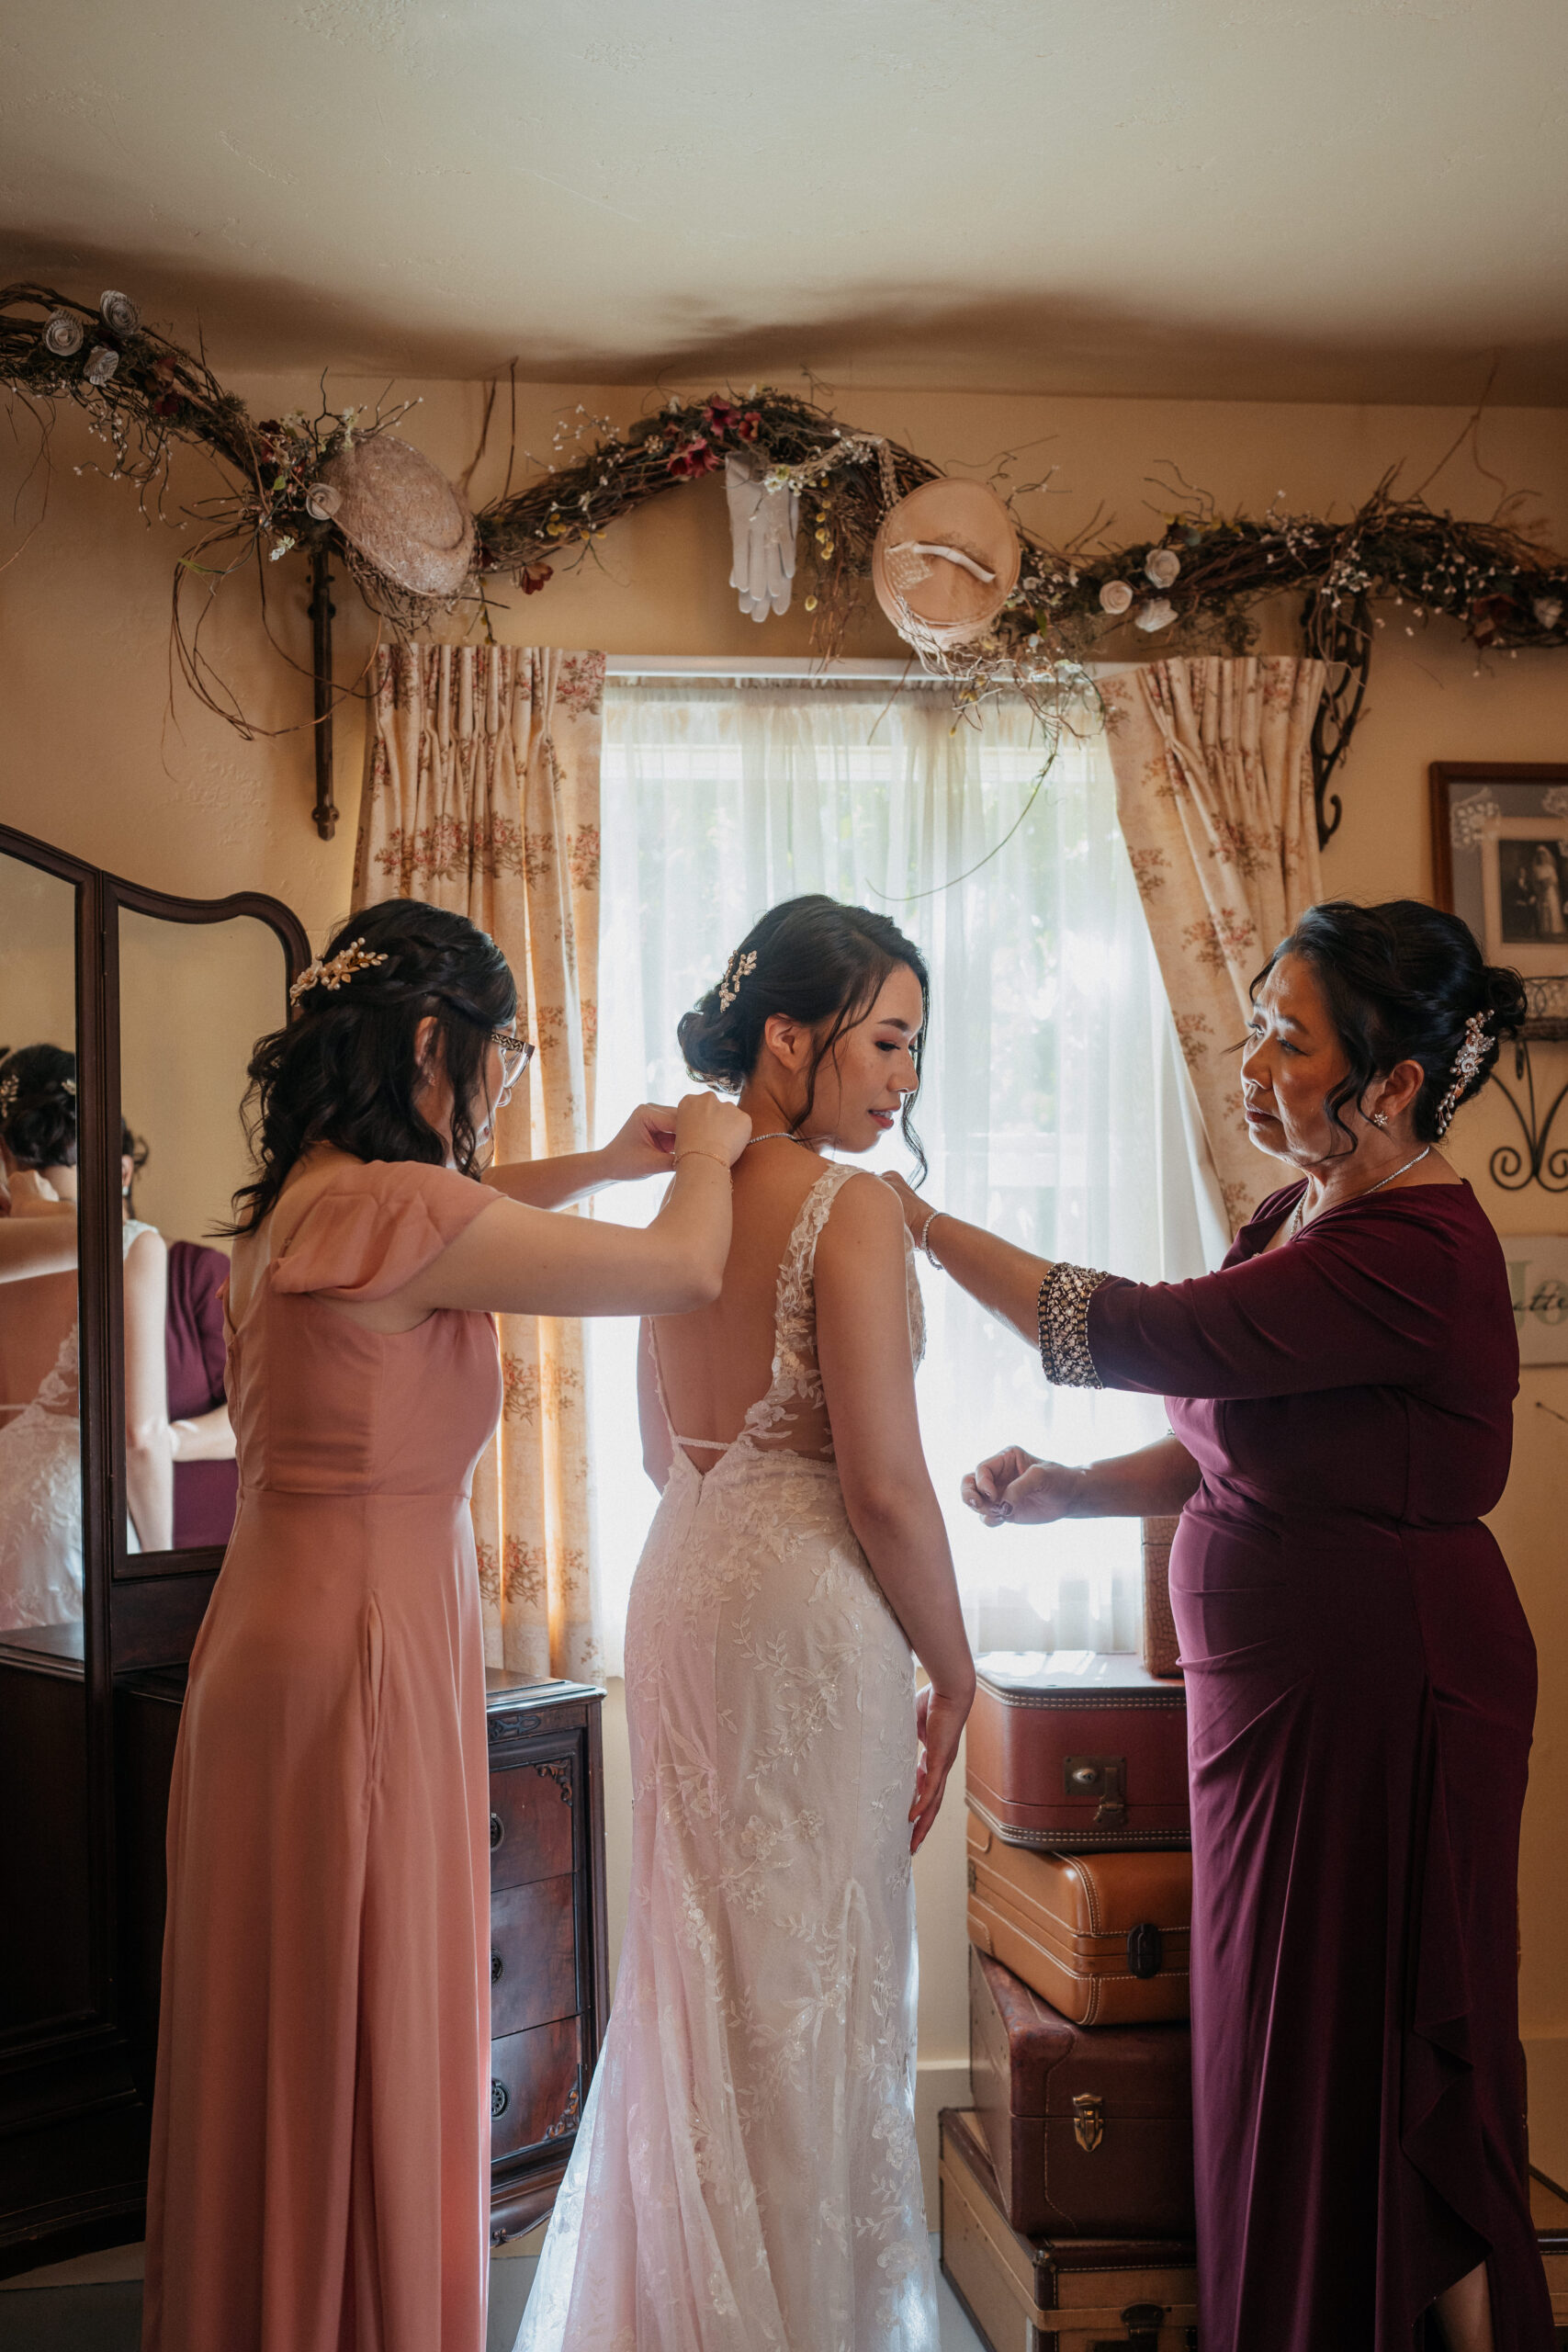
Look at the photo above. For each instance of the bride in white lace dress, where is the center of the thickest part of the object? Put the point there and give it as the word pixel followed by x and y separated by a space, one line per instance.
pixel 745 2177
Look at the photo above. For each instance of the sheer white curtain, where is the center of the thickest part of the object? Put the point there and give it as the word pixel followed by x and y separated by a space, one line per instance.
pixel 1053 1108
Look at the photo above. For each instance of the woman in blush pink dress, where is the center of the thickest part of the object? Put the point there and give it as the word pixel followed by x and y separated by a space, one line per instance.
pixel 320 2133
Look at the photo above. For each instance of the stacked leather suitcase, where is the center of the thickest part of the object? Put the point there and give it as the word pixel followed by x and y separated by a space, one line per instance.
pixel 1067 2193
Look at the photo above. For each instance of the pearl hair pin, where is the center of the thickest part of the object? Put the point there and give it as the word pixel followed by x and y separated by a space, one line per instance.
pixel 1467 1064
pixel 738 969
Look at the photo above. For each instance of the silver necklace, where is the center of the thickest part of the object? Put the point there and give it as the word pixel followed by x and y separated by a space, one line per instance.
pixel 1296 1212
pixel 779 1134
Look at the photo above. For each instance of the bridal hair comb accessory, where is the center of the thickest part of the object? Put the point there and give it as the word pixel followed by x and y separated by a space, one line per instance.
pixel 338 968
pixel 9 1088
pixel 1467 1063
pixel 734 972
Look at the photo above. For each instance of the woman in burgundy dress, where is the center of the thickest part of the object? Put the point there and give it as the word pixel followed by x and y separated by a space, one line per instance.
pixel 1360 1679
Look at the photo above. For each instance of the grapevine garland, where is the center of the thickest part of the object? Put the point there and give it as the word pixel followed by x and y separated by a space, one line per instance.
pixel 1194 583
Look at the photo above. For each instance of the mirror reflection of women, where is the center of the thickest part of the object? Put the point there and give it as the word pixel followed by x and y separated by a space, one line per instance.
pixel 40 1450
pixel 320 2165
pixel 1360 1679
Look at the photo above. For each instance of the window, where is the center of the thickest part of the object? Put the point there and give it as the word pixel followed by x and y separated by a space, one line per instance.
pixel 1053 1108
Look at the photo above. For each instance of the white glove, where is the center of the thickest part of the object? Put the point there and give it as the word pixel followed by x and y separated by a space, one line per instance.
pixel 763 524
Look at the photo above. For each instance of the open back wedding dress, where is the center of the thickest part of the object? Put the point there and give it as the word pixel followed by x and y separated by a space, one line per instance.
pixel 745 2177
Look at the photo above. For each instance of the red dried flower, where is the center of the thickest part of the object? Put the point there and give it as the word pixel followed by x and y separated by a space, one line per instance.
pixel 745 425
pixel 722 415
pixel 166 404
pixel 534 579
pixel 697 458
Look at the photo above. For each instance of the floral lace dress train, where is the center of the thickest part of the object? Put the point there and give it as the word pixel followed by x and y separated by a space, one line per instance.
pixel 745 2177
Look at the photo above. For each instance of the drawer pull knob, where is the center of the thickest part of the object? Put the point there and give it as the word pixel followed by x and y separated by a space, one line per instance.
pixel 496 1967
pixel 1145 1949
pixel 497 1831
pixel 500 2097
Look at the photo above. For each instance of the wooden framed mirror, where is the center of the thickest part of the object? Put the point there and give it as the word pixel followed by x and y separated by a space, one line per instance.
pixel 128 993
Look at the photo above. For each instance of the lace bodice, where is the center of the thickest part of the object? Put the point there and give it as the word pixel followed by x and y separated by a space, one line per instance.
pixel 793 1414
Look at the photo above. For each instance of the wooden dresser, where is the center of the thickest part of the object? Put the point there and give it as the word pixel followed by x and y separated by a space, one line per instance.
pixel 549 1992
pixel 548 1963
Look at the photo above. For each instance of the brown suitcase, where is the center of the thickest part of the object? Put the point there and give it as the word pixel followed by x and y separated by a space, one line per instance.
pixel 1089 2129
pixel 1079 1751
pixel 1102 1936
pixel 1053 2295
pixel 1549 2212
pixel 1160 1649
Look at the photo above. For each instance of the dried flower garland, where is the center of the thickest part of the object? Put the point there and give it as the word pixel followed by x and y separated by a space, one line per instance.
pixel 1195 584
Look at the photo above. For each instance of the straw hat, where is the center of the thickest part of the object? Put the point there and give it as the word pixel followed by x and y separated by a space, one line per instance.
pixel 402 514
pixel 945 561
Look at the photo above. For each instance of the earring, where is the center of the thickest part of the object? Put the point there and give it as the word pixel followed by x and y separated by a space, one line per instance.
pixel 1378 1118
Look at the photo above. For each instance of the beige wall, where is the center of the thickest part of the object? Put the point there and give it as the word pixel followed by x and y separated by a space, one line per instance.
pixel 93 756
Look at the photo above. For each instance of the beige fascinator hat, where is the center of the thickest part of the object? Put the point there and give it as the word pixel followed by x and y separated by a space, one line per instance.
pixel 945 561
pixel 399 513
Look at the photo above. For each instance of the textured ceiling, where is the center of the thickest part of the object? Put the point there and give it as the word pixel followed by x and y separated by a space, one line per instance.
pixel 1290 199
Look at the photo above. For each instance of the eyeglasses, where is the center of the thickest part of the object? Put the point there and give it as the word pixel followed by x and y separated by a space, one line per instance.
pixel 517 1053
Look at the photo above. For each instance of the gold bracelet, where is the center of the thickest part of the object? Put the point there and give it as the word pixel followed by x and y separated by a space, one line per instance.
pixel 695 1151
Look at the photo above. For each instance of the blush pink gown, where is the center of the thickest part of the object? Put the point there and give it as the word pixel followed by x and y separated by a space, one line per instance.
pixel 321 2133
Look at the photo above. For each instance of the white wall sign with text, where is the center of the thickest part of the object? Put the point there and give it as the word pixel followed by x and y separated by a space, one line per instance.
pixel 1538 1284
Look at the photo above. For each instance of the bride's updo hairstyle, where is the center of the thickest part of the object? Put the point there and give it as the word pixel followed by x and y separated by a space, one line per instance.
pixel 38 1111
pixel 816 962
pixel 344 1070
pixel 38 1106
pixel 1402 981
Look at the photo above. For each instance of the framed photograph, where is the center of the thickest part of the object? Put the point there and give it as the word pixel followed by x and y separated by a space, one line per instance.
pixel 1500 859
pixel 1538 1280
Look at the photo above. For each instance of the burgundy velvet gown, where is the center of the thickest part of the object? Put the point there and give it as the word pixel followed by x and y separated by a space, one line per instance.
pixel 1360 1691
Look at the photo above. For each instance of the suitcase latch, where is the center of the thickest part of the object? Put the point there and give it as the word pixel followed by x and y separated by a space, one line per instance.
pixel 1089 2121
pixel 1145 1949
pixel 1104 1777
pixel 1142 2321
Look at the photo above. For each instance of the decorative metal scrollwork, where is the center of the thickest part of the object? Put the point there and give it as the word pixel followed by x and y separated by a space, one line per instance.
pixel 1540 1161
pixel 570 2115
pixel 562 1775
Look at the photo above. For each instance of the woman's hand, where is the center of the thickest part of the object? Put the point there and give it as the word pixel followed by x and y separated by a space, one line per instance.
pixel 643 1145
pixel 704 1124
pixel 917 1212
pixel 1015 1488
pixel 939 1721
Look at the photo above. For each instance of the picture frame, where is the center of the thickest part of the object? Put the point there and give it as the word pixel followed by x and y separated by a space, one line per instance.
pixel 1500 860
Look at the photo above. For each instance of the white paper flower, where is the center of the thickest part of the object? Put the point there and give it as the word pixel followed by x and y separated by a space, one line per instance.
pixel 1115 598
pixel 322 501
pixel 1547 610
pixel 63 335
pixel 1469 820
pixel 118 313
pixel 1158 613
pixel 1161 569
pixel 102 361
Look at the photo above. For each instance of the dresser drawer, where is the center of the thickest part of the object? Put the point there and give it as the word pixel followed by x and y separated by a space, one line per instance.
pixel 531 1812
pixel 535 2086
pixel 533 1954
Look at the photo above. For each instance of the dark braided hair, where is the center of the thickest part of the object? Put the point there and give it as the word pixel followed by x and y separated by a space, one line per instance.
pixel 819 963
pixel 1401 981
pixel 344 1071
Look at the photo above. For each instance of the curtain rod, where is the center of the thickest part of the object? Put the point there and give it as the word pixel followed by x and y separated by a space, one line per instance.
pixel 788 670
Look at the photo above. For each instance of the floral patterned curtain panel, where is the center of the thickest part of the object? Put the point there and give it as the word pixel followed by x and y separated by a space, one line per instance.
pixel 1213 790
pixel 481 793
